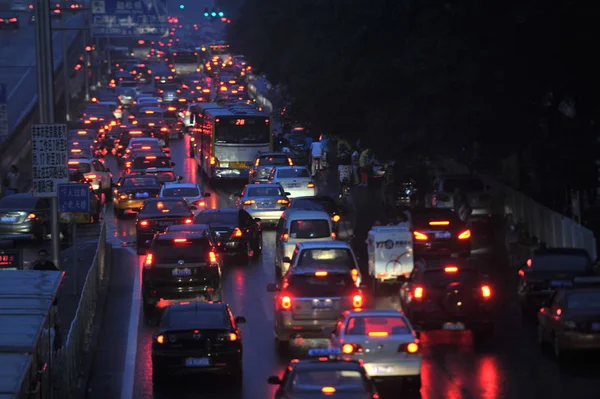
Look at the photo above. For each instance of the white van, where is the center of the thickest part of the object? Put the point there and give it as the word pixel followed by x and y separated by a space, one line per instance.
pixel 390 251
pixel 296 226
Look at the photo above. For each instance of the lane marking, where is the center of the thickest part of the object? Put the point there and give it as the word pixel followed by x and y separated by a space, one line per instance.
pixel 132 332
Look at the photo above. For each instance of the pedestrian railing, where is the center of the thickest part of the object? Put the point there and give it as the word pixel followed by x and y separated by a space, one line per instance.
pixel 68 362
pixel 551 227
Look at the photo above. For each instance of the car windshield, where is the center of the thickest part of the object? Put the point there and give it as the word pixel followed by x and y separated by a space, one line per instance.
pixel 465 185
pixel 313 381
pixel 139 181
pixel 560 262
pixel 310 228
pixel 385 325
pixel 277 160
pixel 264 192
pixel 81 167
pixel 17 202
pixel 442 278
pixel 310 285
pixel 326 256
pixel 193 319
pixel 165 207
pixel 583 300
pixel 317 202
pixel 289 173
pixel 181 192
pixel 165 177
pixel 151 161
pixel 226 218
pixel 190 251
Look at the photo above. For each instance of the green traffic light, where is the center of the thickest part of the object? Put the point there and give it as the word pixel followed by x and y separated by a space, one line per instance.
pixel 221 14
pixel 206 14
pixel 181 6
pixel 214 14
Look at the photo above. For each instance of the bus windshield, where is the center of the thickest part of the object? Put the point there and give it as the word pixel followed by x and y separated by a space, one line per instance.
pixel 185 57
pixel 242 131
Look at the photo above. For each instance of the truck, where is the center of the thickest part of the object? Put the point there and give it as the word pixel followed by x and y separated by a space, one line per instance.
pixel 390 253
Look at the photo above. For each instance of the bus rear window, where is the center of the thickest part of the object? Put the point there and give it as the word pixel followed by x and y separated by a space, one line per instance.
pixel 312 228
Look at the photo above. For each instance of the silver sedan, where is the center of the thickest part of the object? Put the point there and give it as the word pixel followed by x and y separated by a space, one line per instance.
pixel 263 201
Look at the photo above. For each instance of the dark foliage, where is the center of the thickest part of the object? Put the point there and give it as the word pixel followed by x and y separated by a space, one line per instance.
pixel 434 76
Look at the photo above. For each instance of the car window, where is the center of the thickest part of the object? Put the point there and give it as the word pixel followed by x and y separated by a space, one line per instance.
pixel 195 319
pixel 151 161
pixel 138 181
pixel 165 207
pixel 264 192
pixel 583 300
pixel 560 262
pixel 181 192
pixel 389 325
pixel 442 279
pixel 190 251
pixel 291 173
pixel 273 160
pixel 327 256
pixel 310 285
pixel 311 228
pixel 216 217
pixel 17 202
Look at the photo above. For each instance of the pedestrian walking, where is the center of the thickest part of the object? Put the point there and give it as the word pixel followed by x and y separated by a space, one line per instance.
pixel 43 263
pixel 364 167
pixel 11 181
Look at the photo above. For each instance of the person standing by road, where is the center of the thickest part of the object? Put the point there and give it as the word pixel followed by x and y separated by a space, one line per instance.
pixel 43 263
pixel 11 181
pixel 355 165
pixel 364 163
pixel 316 152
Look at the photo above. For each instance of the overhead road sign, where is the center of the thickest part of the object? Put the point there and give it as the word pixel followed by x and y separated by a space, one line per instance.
pixel 73 197
pixel 115 18
pixel 3 113
pixel 49 158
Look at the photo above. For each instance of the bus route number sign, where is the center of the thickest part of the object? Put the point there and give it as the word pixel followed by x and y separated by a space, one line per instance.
pixel 240 122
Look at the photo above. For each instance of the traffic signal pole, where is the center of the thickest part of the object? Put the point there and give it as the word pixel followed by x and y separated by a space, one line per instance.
pixel 45 74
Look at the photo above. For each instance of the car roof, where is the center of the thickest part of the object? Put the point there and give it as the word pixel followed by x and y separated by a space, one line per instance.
pixel 220 210
pixel 329 364
pixel 193 228
pixel 263 185
pixel 297 213
pixel 195 306
pixel 323 244
pixel 373 312
pixel 271 154
pixel 191 234
pixel 332 269
pixel 180 185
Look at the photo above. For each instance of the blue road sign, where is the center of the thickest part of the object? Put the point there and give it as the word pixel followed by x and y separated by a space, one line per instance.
pixel 73 197
pixel 116 18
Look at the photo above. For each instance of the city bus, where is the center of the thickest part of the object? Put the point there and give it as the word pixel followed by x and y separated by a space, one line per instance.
pixel 185 61
pixel 230 137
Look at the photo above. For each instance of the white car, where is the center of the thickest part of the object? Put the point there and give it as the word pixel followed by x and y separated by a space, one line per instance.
pixel 295 180
pixel 188 191
pixel 384 340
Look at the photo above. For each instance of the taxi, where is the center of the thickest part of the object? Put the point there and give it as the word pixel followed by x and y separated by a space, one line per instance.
pixel 131 191
pixel 326 373
pixel 385 342
pixel 294 179
pixel 94 170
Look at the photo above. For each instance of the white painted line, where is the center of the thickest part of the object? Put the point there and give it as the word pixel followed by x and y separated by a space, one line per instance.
pixel 132 332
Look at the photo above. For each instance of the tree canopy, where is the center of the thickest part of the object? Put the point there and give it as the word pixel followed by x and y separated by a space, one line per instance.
pixel 435 76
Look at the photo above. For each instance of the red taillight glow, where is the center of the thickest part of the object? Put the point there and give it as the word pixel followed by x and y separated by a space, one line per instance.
pixel 232 337
pixel 439 223
pixel 286 303
pixel 237 233
pixel 212 257
pixel 285 236
pixel 354 273
pixel 378 334
pixel 418 293
pixel 144 223
pixel 321 274
pixel 336 218
pixel 357 301
pixel 311 185
pixel 328 390
pixel 149 260
pixel 283 202
pixel 90 176
pixel 420 236
pixel 249 202
pixel 451 269
pixel 529 262
pixel 486 291
pixel 180 240
pixel 160 339
pixel 188 221
pixel 465 235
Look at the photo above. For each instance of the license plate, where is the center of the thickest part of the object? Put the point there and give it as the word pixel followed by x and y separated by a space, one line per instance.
pixel 238 165
pixel 322 305
pixel 595 326
pixel 197 362
pixel 8 219
pixel 381 370
pixel 163 224
pixel 141 195
pixel 454 326
pixel 181 272
pixel 293 185
pixel 561 283
pixel 264 206
pixel 442 234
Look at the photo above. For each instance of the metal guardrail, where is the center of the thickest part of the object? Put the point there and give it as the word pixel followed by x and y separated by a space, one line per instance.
pixel 68 362
pixel 551 227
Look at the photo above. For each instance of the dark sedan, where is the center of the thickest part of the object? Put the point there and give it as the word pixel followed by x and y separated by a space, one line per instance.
pixel 321 202
pixel 9 21
pixel 439 232
pixel 156 215
pixel 234 231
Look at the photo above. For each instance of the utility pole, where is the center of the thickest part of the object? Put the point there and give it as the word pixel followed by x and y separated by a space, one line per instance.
pixel 86 63
pixel 45 72
pixel 65 57
pixel 109 70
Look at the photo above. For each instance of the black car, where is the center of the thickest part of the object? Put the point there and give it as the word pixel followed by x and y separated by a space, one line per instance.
pixel 549 269
pixel 439 232
pixel 127 135
pixel 321 202
pixel 156 215
pixel 450 297
pixel 9 21
pixel 324 376
pixel 234 231
pixel 198 337
pixel 181 264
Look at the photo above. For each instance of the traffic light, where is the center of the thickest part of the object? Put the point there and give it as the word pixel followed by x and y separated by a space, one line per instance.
pixel 206 13
pixel 221 14
pixel 182 6
pixel 213 14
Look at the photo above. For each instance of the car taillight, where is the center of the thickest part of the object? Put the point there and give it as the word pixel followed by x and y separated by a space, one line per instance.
pixel 336 218
pixel 188 221
pixel 149 260
pixel 143 223
pixel 486 291
pixel 420 236
pixel 411 347
pixel 283 202
pixel 231 337
pixel 465 235
pixel 311 185
pixel 237 233
pixel 349 349
pixel 354 273
pixel 160 339
pixel 213 161
pixel 357 301
pixel 285 235
pixel 418 293
pixel 212 257
pixel 286 302
pixel 249 202
pixel 90 176
pixel 12 20
pixel 200 203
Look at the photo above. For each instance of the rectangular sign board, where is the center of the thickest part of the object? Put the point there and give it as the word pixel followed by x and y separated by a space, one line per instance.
pixel 3 112
pixel 73 197
pixel 49 153
pixel 115 18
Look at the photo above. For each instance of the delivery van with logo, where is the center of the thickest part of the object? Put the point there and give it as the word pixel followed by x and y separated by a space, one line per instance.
pixel 390 251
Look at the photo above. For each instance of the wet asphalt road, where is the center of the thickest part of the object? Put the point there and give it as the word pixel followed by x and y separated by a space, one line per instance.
pixel 513 366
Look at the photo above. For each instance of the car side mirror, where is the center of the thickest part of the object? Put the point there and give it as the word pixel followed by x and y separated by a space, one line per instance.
pixel 272 287
pixel 402 279
pixel 257 220
pixel 207 194
pixel 274 380
pixel 286 259
pixel 286 193
pixel 240 320
pixel 193 207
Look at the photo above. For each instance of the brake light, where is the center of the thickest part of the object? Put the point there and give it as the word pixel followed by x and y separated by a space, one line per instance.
pixel 73 162
pixel 205 90
pixel 172 108
pixel 144 148
pixel 290 162
pixel 249 202
pixel 286 303
pixel 420 236
pixel 486 291
pixel 349 349
pixel 357 301
pixel 232 337
pixel 144 223
pixel 321 274
pixel 412 347
pixel 213 161
pixel 285 236
pixel 336 218
pixel 522 273
pixel 149 260
pixel 378 334
pixel 333 236
pixel 12 20
pixel 418 293
pixel 188 221
pixel 164 129
pixel 451 269
pixel 91 176
pixel 151 157
pixel 328 390
pixel 465 235
pixel 311 185
pixel 283 201
pixel 160 339
pixel 529 262
pixel 237 233
pixel 354 273
pixel 439 223
pixel 212 257
pixel 179 240
pixel 201 203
